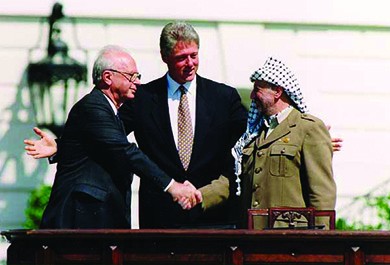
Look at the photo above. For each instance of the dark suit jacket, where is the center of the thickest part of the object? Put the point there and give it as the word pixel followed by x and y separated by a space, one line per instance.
pixel 95 160
pixel 220 120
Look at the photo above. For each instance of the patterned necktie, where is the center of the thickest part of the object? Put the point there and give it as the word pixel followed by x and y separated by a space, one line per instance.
pixel 185 133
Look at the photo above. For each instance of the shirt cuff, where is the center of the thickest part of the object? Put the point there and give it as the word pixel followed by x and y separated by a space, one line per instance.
pixel 52 159
pixel 169 185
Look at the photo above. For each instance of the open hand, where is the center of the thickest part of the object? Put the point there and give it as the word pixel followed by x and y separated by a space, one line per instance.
pixel 42 148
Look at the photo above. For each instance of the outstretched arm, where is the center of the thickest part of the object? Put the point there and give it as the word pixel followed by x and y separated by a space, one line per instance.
pixel 42 148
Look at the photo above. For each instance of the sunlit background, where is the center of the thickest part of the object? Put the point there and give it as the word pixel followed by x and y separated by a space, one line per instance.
pixel 339 50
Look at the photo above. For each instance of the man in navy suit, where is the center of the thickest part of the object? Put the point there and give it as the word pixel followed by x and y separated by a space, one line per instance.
pixel 218 120
pixel 95 160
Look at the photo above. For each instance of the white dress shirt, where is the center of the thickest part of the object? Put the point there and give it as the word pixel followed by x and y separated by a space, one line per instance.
pixel 276 119
pixel 174 100
pixel 111 104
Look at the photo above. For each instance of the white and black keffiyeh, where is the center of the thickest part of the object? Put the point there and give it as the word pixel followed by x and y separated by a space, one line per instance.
pixel 275 72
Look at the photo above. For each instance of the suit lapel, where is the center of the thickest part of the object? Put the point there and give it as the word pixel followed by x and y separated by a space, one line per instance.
pixel 101 97
pixel 98 94
pixel 205 109
pixel 160 116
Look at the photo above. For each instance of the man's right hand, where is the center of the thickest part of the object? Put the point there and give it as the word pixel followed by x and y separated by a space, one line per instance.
pixel 42 148
pixel 185 194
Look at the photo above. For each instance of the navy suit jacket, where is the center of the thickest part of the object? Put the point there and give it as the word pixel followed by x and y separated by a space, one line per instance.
pixel 92 186
pixel 220 121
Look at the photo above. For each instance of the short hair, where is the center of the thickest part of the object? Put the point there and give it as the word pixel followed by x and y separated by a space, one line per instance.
pixel 104 62
pixel 174 32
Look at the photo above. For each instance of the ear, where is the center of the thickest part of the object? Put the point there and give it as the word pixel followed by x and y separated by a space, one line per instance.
pixel 107 77
pixel 278 91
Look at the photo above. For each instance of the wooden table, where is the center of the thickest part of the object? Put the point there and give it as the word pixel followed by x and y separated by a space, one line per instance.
pixel 197 247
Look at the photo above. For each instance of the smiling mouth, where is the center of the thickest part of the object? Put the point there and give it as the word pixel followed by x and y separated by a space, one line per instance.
pixel 133 90
pixel 189 71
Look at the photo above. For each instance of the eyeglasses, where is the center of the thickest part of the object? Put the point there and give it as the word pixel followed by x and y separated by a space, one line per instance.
pixel 132 77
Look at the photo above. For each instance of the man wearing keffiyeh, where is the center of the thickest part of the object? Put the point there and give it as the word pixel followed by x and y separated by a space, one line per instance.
pixel 285 156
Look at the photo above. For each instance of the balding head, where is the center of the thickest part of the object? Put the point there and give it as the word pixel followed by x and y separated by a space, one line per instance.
pixel 110 57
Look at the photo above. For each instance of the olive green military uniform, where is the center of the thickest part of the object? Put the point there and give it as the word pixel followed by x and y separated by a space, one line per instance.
pixel 292 167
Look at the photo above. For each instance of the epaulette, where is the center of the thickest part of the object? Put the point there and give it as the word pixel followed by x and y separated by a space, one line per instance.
pixel 307 117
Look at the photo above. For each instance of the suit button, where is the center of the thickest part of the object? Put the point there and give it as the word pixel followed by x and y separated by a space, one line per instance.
pixel 258 170
pixel 260 153
pixel 255 187
pixel 283 151
pixel 255 203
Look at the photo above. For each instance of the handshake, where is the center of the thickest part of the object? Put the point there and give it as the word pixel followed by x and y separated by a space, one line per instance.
pixel 185 194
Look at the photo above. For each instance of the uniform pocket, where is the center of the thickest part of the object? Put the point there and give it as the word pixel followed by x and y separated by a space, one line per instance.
pixel 282 157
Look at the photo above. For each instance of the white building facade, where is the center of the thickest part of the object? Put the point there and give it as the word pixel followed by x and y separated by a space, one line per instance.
pixel 340 51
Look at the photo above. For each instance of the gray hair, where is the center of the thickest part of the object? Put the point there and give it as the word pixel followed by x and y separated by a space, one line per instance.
pixel 174 32
pixel 104 62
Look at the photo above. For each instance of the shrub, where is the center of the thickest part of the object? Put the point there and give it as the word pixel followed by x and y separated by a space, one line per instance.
pixel 37 202
pixel 377 206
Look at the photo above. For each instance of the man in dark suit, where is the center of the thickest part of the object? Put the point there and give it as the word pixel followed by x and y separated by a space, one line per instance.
pixel 95 160
pixel 218 119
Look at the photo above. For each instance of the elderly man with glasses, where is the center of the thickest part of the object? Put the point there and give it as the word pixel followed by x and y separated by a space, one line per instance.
pixel 92 186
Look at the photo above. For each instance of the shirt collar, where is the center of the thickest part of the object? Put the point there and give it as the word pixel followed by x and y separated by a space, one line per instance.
pixel 173 86
pixel 111 104
pixel 273 120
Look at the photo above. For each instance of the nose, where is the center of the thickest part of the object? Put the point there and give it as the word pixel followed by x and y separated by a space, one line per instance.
pixel 190 61
pixel 135 85
pixel 137 82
